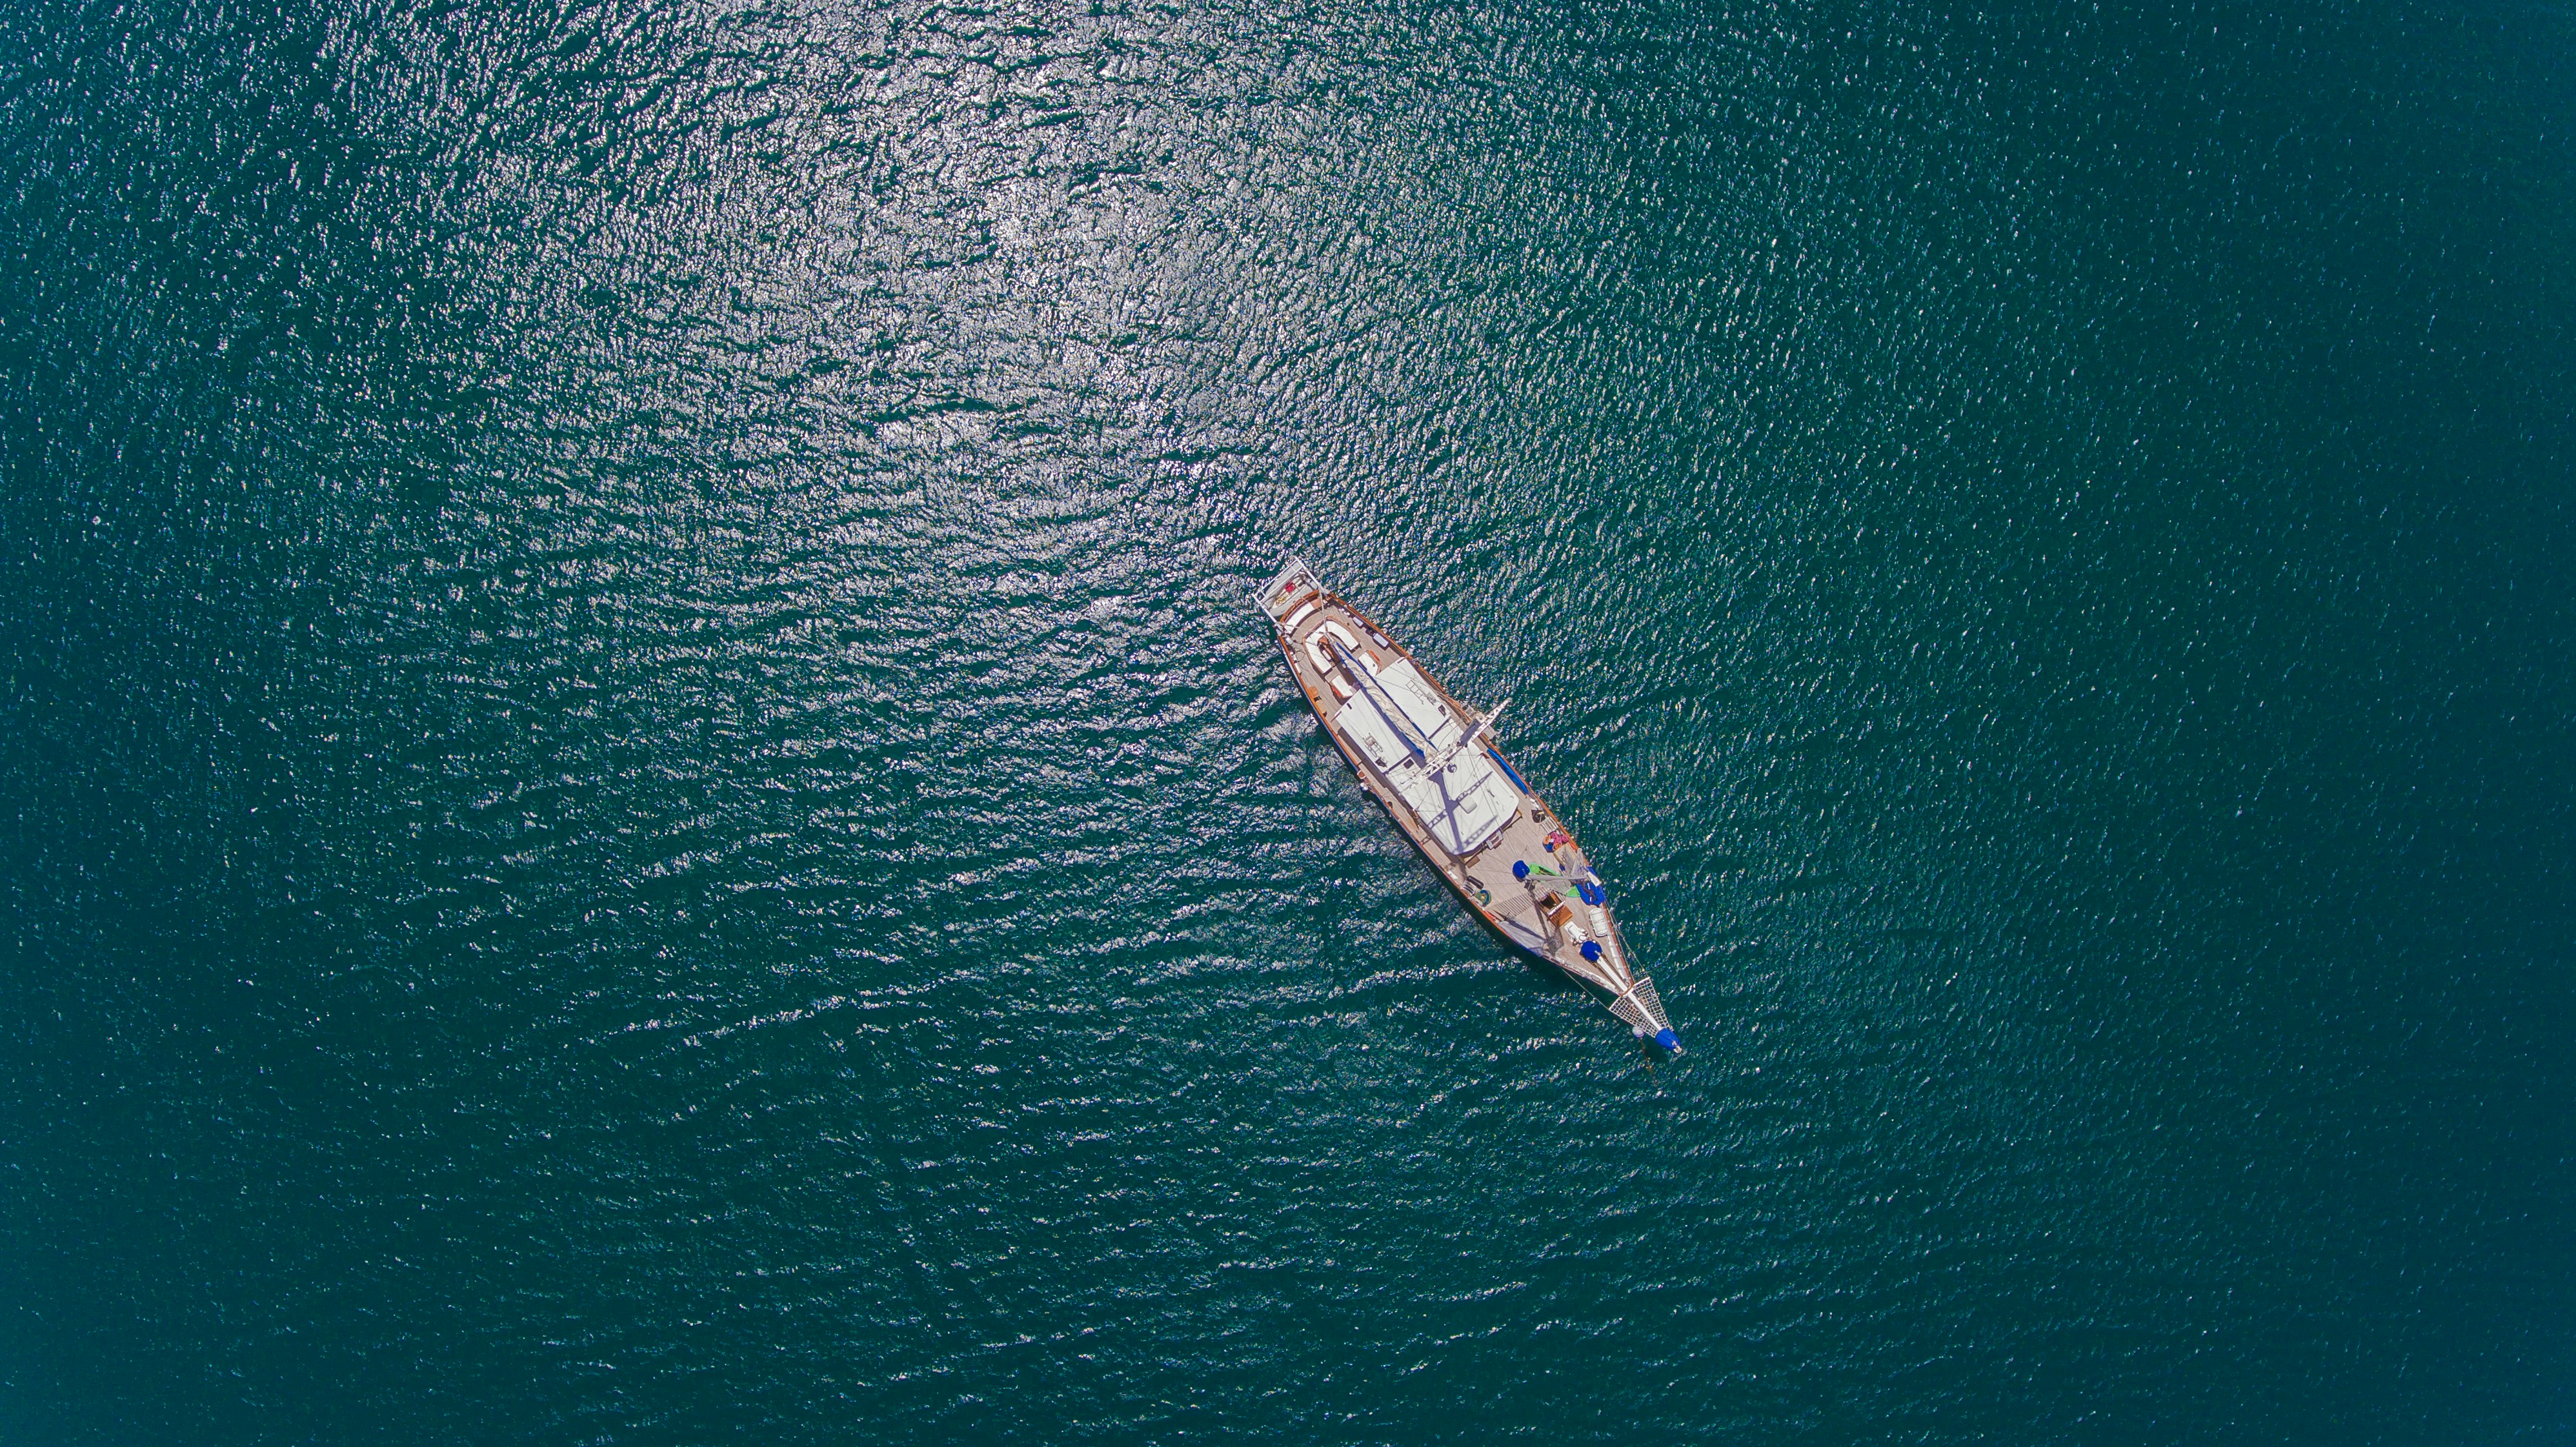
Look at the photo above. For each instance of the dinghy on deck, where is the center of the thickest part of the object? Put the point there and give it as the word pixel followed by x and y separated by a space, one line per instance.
pixel 1433 763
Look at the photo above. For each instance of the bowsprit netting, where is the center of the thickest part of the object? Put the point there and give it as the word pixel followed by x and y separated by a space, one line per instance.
pixel 1642 1008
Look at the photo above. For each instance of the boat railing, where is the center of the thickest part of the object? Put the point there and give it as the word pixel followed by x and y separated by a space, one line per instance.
pixel 1289 589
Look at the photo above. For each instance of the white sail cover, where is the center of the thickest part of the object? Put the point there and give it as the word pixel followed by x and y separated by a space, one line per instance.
pixel 1462 806
pixel 1476 805
pixel 1359 722
pixel 1422 707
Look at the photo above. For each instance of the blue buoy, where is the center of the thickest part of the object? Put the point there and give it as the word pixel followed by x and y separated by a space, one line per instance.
pixel 1520 870
pixel 1667 1039
pixel 1592 952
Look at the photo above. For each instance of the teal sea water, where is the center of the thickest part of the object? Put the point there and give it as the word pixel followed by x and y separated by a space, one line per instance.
pixel 640 802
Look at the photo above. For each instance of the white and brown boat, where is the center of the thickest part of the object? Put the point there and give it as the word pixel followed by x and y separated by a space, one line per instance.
pixel 1433 763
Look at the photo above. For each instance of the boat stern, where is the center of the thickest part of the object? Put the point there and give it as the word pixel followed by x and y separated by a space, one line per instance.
pixel 1291 590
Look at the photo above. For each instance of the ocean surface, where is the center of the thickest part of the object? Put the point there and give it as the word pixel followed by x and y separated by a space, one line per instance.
pixel 640 801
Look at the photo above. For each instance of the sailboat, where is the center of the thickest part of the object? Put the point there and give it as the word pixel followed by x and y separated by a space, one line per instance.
pixel 1436 767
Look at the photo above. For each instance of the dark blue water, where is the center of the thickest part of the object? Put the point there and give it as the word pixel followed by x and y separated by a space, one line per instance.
pixel 640 802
